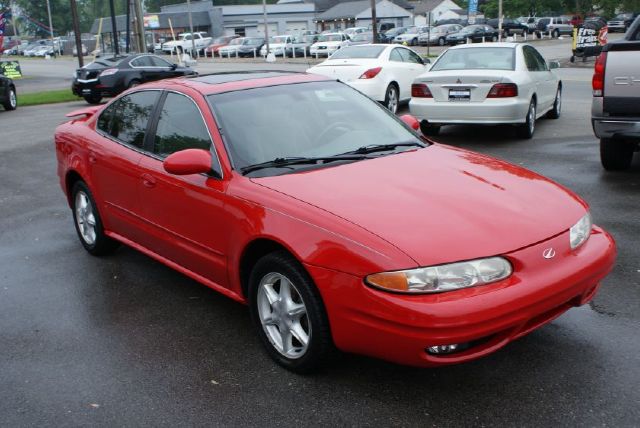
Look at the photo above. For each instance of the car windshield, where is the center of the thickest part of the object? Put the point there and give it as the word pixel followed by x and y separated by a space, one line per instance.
pixel 470 29
pixel 362 37
pixel 476 58
pixel 252 42
pixel 544 21
pixel 236 41
pixel 278 39
pixel 315 119
pixel 105 62
pixel 372 51
pixel 330 38
pixel 219 40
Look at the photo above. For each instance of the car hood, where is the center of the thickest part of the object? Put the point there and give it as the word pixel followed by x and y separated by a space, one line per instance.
pixel 439 204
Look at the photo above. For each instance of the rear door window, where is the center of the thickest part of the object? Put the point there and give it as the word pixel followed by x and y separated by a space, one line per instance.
pixel 127 118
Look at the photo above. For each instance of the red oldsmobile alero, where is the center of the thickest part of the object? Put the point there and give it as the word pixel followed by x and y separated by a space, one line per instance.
pixel 335 222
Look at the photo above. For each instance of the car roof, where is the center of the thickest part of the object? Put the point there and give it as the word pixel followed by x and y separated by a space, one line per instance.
pixel 216 83
pixel 487 45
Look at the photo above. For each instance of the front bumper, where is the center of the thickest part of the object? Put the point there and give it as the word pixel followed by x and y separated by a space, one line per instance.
pixel 491 111
pixel 327 51
pixel 399 328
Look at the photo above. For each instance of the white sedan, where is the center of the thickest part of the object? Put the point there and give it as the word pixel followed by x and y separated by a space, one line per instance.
pixel 382 72
pixel 328 44
pixel 488 83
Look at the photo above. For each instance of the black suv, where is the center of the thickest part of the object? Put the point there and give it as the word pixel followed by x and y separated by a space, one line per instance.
pixel 509 26
pixel 8 98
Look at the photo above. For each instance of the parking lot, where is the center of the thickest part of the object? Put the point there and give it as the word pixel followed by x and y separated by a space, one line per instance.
pixel 126 341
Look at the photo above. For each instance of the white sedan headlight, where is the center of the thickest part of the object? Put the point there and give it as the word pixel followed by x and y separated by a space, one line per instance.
pixel 437 279
pixel 580 231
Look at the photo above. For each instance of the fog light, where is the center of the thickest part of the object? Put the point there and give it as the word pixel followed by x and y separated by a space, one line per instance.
pixel 442 349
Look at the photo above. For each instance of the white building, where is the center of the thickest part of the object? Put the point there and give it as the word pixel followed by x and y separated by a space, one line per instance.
pixel 358 14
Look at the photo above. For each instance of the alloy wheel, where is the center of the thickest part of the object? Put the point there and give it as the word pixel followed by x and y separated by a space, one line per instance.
pixel 531 118
pixel 85 218
pixel 392 99
pixel 283 315
pixel 13 101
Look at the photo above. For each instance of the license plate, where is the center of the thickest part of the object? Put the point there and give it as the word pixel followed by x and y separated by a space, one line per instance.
pixel 86 91
pixel 459 94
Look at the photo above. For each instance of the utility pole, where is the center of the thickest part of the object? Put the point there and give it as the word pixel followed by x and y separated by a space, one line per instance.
pixel 139 26
pixel 76 32
pixel 13 22
pixel 374 22
pixel 500 20
pixel 266 26
pixel 128 27
pixel 51 27
pixel 193 40
pixel 114 29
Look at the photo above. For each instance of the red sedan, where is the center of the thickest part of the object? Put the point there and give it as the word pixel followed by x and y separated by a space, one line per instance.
pixel 338 224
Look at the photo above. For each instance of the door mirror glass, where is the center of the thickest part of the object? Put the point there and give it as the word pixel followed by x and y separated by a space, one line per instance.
pixel 554 65
pixel 411 121
pixel 187 162
pixel 174 66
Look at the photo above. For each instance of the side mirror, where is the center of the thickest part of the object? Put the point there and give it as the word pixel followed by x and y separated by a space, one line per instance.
pixel 187 162
pixel 411 121
pixel 174 66
pixel 554 65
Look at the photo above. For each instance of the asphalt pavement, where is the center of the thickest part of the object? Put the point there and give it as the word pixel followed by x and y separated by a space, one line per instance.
pixel 126 341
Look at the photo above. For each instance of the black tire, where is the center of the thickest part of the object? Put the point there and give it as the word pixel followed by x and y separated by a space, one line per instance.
pixel 616 155
pixel 555 34
pixel 11 103
pixel 554 113
pixel 414 42
pixel 92 99
pixel 442 41
pixel 428 129
pixel 527 129
pixel 102 245
pixel 320 344
pixel 494 38
pixel 133 83
pixel 392 98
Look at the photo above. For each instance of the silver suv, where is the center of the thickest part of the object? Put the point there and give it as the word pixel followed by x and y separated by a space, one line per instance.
pixel 554 26
pixel 438 35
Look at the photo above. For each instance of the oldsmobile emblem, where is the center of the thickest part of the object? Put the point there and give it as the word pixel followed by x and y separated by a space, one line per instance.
pixel 549 253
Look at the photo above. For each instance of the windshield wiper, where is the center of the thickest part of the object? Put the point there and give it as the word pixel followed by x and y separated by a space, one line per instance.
pixel 372 148
pixel 288 161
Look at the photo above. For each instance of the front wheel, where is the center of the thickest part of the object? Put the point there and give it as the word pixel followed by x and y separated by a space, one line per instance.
pixel 88 222
pixel 93 99
pixel 11 102
pixel 494 38
pixel 616 155
pixel 428 129
pixel 392 98
pixel 441 41
pixel 555 34
pixel 527 129
pixel 554 113
pixel 288 312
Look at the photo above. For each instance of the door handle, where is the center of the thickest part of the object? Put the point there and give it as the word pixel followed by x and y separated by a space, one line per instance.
pixel 148 181
pixel 92 157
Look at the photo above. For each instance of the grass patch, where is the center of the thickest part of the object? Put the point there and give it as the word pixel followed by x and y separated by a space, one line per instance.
pixel 46 97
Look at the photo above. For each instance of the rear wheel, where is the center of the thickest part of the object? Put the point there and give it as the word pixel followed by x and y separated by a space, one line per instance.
pixel 288 312
pixel 554 113
pixel 392 98
pixel 494 38
pixel 527 129
pixel 93 99
pixel 133 83
pixel 429 129
pixel 11 103
pixel 555 34
pixel 616 155
pixel 88 223
pixel 441 41
pixel 414 42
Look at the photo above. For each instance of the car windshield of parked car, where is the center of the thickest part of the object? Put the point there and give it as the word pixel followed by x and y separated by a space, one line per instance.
pixel 278 39
pixel 372 51
pixel 470 29
pixel 309 38
pixel 544 21
pixel 476 58
pixel 362 37
pixel 252 42
pixel 105 62
pixel 315 119
pixel 330 38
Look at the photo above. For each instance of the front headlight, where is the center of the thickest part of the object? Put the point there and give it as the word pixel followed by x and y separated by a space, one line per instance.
pixel 579 232
pixel 437 279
